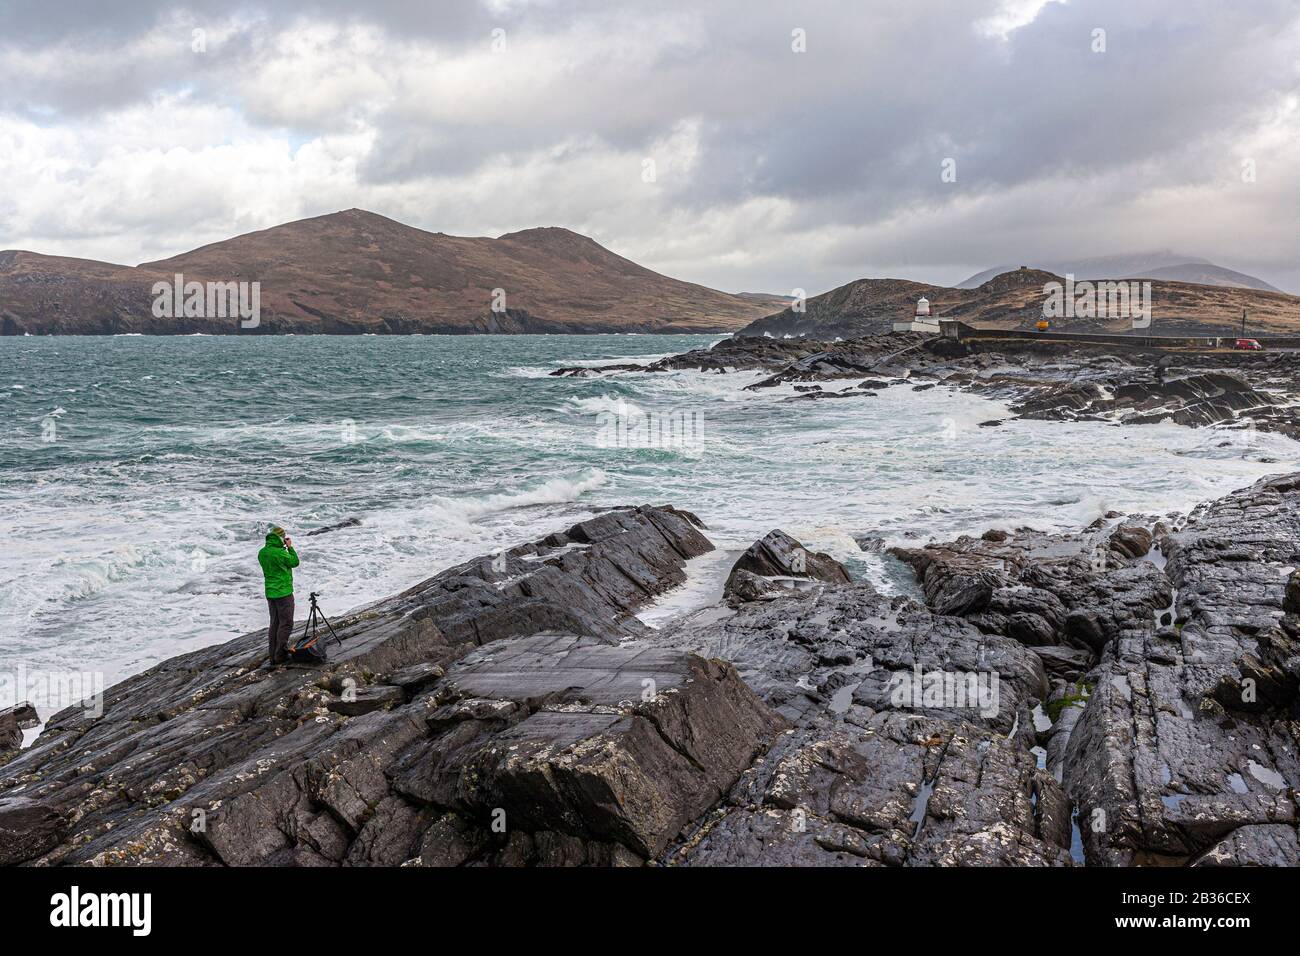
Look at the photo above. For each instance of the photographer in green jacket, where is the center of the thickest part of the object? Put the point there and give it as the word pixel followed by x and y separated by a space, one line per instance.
pixel 278 559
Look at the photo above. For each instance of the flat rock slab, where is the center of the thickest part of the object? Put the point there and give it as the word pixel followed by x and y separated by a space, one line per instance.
pixel 554 668
pixel 623 745
pixel 354 703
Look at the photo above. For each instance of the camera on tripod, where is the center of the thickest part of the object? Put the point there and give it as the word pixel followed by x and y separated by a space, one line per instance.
pixel 310 649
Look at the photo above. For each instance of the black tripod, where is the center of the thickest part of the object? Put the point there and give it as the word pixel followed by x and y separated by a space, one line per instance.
pixel 311 630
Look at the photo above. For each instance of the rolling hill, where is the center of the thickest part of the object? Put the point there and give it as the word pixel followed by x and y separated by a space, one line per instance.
pixel 1149 265
pixel 1207 273
pixel 358 272
pixel 1014 300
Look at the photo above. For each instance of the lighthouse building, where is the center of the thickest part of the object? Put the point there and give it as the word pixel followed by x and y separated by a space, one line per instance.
pixel 921 321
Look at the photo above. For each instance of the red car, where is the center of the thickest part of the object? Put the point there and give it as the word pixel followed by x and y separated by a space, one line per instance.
pixel 1249 345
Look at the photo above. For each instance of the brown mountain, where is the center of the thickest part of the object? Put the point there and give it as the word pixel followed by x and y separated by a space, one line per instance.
pixel 1014 300
pixel 1161 264
pixel 1206 273
pixel 356 272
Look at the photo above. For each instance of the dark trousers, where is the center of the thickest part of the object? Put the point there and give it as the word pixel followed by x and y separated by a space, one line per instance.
pixel 277 635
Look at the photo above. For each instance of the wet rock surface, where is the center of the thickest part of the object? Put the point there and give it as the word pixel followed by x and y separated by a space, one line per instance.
pixel 774 565
pixel 1076 591
pixel 1173 656
pixel 889 789
pixel 346 523
pixel 489 707
pixel 1123 694
pixel 1187 750
pixel 1058 381
pixel 28 828
pixel 13 721
pixel 909 740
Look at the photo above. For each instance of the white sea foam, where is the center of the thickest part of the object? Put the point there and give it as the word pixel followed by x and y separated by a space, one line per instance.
pixel 705 577
pixel 555 491
pixel 612 404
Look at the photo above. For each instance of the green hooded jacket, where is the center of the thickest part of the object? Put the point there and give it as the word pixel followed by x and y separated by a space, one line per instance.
pixel 277 563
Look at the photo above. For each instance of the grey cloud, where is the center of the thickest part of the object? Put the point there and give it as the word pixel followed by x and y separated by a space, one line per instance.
pixel 1058 145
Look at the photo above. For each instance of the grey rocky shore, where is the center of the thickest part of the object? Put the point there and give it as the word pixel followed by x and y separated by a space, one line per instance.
pixel 1062 381
pixel 1125 694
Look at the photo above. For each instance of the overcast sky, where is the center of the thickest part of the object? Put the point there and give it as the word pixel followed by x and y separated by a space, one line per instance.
pixel 750 146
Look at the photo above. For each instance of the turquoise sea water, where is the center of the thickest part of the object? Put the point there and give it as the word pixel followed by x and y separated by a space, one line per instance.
pixel 137 475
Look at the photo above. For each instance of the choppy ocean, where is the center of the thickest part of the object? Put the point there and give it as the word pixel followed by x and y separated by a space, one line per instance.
pixel 137 475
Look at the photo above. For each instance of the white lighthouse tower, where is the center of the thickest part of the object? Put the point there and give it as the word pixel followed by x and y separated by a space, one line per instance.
pixel 922 320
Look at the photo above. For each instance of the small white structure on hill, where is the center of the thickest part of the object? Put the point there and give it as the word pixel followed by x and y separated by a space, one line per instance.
pixel 922 321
